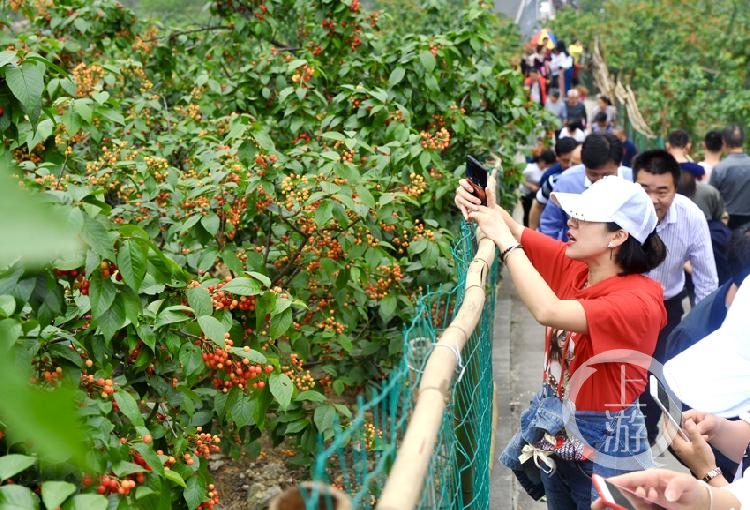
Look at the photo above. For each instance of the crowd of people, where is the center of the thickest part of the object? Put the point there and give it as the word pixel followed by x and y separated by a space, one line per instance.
pixel 613 246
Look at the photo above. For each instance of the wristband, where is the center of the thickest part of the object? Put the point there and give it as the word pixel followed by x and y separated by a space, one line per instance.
pixel 509 249
pixel 711 474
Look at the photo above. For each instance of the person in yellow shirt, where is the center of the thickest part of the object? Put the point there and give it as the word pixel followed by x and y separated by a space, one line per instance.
pixel 576 51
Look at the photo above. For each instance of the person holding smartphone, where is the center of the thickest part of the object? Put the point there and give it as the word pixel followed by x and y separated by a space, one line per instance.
pixel 671 490
pixel 592 297
pixel 681 491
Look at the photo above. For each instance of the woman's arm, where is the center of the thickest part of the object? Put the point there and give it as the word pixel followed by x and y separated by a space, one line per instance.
pixel 505 232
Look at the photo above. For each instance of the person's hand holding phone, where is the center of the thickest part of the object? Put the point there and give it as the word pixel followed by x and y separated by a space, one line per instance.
pixel 709 425
pixel 660 488
pixel 695 453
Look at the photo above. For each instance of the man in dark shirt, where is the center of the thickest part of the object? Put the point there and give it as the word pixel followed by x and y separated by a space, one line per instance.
pixel 575 110
pixel 732 177
pixel 629 150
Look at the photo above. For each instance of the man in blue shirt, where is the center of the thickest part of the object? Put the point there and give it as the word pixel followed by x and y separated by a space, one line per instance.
pixel 601 155
pixel 565 150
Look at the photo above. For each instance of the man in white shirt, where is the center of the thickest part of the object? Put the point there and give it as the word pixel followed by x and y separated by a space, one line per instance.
pixel 683 229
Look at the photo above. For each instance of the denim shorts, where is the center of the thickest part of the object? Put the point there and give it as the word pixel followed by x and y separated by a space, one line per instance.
pixel 617 440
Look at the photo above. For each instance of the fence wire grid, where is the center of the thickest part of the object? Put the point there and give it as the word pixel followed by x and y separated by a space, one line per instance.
pixel 359 458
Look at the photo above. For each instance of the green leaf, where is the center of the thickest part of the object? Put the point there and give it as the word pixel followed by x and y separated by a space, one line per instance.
pixel 102 293
pixel 131 261
pixel 242 286
pixel 428 60
pixel 175 477
pixel 310 396
pixel 296 427
pixel 12 464
pixel 26 82
pixel 18 497
pixel 190 358
pixel 7 57
pixel 213 329
pixel 113 319
pixel 388 307
pixel 124 468
pixel 82 107
pixel 281 388
pixel 265 280
pixel 396 76
pixel 148 454
pixel 22 212
pixel 96 236
pixel 172 314
pixel 243 411
pixel 252 355
pixel 324 417
pixel 281 323
pixel 10 331
pixel 55 492
pixel 129 407
pixel 87 502
pixel 194 493
pixel 7 305
pixel 200 301
pixel 25 411
pixel 210 223
pixel 324 213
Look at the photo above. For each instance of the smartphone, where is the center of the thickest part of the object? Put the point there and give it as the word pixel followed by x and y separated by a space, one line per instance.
pixel 613 497
pixel 477 177
pixel 619 498
pixel 662 398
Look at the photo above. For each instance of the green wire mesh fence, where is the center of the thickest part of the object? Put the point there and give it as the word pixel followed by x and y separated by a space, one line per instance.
pixel 359 458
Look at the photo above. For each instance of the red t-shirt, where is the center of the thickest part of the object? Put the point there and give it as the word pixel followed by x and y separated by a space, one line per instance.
pixel 622 312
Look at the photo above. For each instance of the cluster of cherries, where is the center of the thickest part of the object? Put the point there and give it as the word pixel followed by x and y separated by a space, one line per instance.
pixel 230 371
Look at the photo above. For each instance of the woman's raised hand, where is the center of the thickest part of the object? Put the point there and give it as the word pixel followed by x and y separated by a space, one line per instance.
pixel 465 200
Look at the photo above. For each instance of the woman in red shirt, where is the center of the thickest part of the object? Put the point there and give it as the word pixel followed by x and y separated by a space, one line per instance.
pixel 603 317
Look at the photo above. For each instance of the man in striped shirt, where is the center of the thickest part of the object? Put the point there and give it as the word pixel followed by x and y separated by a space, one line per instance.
pixel 684 230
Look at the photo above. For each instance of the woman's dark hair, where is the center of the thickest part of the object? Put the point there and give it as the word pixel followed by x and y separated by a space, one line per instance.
pixel 560 47
pixel 636 258
pixel 687 186
pixel 606 100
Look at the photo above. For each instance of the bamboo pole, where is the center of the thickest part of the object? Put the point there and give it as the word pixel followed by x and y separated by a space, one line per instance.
pixel 406 479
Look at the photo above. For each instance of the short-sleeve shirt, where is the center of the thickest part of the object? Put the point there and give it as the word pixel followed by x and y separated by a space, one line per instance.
pixel 547 182
pixel 622 312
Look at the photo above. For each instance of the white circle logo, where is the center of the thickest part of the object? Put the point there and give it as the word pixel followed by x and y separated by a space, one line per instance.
pixel 622 437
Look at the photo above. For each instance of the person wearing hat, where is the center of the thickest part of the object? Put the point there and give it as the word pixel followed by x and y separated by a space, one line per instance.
pixel 601 156
pixel 597 307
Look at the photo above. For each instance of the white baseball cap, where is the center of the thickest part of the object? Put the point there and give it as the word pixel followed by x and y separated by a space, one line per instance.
pixel 612 199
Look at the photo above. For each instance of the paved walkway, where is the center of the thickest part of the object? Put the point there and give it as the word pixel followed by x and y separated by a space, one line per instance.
pixel 518 355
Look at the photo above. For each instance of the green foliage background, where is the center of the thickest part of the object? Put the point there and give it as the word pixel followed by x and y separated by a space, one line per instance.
pixel 257 204
pixel 687 61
